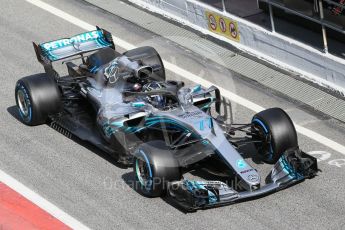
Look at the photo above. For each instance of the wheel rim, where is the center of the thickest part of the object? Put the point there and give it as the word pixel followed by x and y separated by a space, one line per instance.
pixel 144 173
pixel 23 103
pixel 266 147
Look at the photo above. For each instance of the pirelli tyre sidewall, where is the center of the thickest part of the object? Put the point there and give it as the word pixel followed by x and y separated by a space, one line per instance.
pixel 37 97
pixel 154 166
pixel 278 133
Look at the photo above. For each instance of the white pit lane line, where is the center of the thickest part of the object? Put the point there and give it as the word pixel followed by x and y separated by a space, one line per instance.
pixel 70 221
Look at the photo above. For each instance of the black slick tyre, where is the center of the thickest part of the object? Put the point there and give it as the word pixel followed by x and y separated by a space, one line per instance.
pixel 37 97
pixel 276 131
pixel 154 166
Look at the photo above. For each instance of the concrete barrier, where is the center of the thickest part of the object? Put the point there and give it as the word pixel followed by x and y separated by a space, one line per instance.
pixel 324 69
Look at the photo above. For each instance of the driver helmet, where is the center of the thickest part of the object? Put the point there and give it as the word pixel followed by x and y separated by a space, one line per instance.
pixel 156 100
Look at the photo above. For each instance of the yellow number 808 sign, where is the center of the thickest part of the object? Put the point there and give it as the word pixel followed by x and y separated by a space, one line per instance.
pixel 222 25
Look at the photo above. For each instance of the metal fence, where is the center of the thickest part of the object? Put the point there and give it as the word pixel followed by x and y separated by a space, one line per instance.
pixel 321 20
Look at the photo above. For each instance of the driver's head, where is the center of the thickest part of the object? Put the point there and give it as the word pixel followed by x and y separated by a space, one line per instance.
pixel 156 100
pixel 154 85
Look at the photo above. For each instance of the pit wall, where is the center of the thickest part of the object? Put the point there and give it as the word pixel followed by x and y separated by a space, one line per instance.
pixel 324 69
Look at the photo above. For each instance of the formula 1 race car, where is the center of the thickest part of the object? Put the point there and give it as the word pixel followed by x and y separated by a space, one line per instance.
pixel 123 104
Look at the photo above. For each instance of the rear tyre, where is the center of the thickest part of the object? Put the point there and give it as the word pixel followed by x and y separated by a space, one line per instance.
pixel 37 97
pixel 154 166
pixel 148 56
pixel 275 129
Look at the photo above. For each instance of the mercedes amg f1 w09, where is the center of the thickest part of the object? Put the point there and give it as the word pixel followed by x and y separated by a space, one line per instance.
pixel 124 105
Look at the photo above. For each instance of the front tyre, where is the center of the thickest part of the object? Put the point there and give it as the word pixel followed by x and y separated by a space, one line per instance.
pixel 154 166
pixel 37 97
pixel 277 133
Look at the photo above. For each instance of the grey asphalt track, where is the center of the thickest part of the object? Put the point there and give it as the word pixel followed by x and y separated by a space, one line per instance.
pixel 86 183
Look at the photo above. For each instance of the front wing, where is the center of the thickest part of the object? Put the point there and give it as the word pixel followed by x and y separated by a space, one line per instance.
pixel 293 167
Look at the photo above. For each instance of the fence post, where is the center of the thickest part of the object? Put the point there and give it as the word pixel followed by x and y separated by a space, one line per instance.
pixel 223 4
pixel 324 34
pixel 271 16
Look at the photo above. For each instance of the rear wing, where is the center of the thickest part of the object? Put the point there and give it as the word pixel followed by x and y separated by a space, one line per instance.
pixel 49 52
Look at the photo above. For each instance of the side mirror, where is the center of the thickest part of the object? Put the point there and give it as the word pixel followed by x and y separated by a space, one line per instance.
pixel 138 104
pixel 196 89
